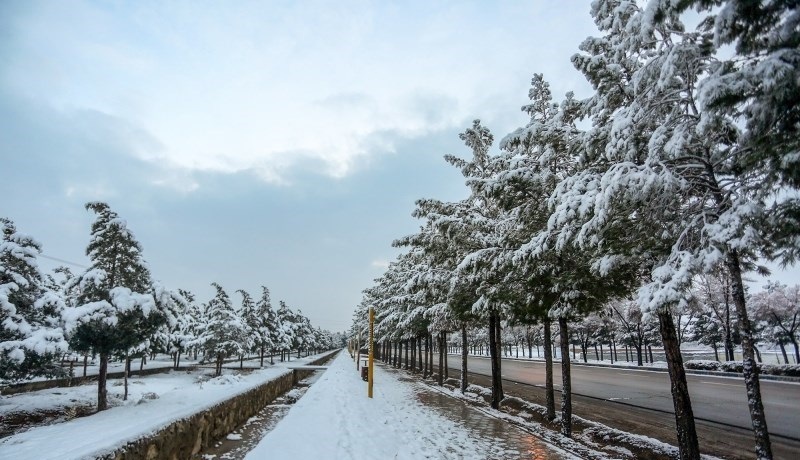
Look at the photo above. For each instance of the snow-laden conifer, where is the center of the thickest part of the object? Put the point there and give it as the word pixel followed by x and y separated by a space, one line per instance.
pixel 264 327
pixel 30 332
pixel 115 312
pixel 224 331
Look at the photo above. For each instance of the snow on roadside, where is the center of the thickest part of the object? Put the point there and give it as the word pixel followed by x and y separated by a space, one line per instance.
pixel 335 419
pixel 177 395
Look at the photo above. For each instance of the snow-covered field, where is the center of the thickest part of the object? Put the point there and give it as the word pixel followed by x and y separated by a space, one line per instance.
pixel 153 402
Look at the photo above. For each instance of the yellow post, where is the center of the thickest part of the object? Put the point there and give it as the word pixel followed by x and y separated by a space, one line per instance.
pixel 371 350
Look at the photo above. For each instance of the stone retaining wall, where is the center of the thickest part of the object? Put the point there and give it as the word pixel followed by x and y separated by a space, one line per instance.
pixel 186 437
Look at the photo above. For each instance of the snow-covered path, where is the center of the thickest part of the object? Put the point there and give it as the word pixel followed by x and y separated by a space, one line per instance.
pixel 335 419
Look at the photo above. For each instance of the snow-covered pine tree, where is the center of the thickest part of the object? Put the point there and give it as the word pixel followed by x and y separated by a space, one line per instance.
pixel 759 85
pixel 115 311
pixel 528 170
pixel 224 332
pixel 673 134
pixel 247 312
pixel 556 278
pixel 305 332
pixel 285 320
pixel 30 332
pixel 482 223
pixel 264 329
pixel 181 335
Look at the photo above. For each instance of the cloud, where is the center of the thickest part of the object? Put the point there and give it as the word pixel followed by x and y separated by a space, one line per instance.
pixel 382 264
pixel 269 87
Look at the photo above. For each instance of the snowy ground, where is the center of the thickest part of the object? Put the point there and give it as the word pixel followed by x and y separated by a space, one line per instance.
pixel 154 401
pixel 336 419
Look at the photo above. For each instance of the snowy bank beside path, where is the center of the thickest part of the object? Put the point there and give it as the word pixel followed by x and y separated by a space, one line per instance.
pixel 154 402
pixel 335 419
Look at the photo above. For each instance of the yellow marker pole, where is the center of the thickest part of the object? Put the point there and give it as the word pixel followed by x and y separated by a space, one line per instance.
pixel 371 350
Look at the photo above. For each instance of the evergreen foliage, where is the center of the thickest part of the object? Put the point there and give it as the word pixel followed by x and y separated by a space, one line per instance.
pixel 30 330
pixel 115 312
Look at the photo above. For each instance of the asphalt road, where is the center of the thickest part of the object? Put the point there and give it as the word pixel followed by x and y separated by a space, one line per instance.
pixel 717 400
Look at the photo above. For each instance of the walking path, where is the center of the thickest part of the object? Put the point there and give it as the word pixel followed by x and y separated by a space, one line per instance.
pixel 404 420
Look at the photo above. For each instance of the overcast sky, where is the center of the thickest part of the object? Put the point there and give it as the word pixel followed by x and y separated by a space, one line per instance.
pixel 249 143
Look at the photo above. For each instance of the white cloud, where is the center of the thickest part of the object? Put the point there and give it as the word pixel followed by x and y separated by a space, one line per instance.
pixel 380 263
pixel 264 87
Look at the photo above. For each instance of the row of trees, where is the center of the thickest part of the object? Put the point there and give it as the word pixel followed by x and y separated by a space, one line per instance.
pixel 682 164
pixel 114 309
pixel 775 312
pixel 706 318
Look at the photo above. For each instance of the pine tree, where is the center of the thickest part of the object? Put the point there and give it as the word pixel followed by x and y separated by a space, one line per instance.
pixel 224 333
pixel 273 323
pixel 285 320
pixel 30 333
pixel 115 311
pixel 247 312
pixel 265 326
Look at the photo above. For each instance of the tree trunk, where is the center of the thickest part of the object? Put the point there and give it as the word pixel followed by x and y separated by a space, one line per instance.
pixel 728 336
pixel 440 380
pixel 427 351
pixel 463 358
pixel 763 446
pixel 548 371
pixel 783 352
pixel 684 417
pixel 446 350
pixel 430 354
pixel 494 352
pixel 85 363
pixel 261 355
pixel 408 354
pixel 413 362
pixel 125 377
pixel 419 349
pixel 566 380
pixel 102 392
